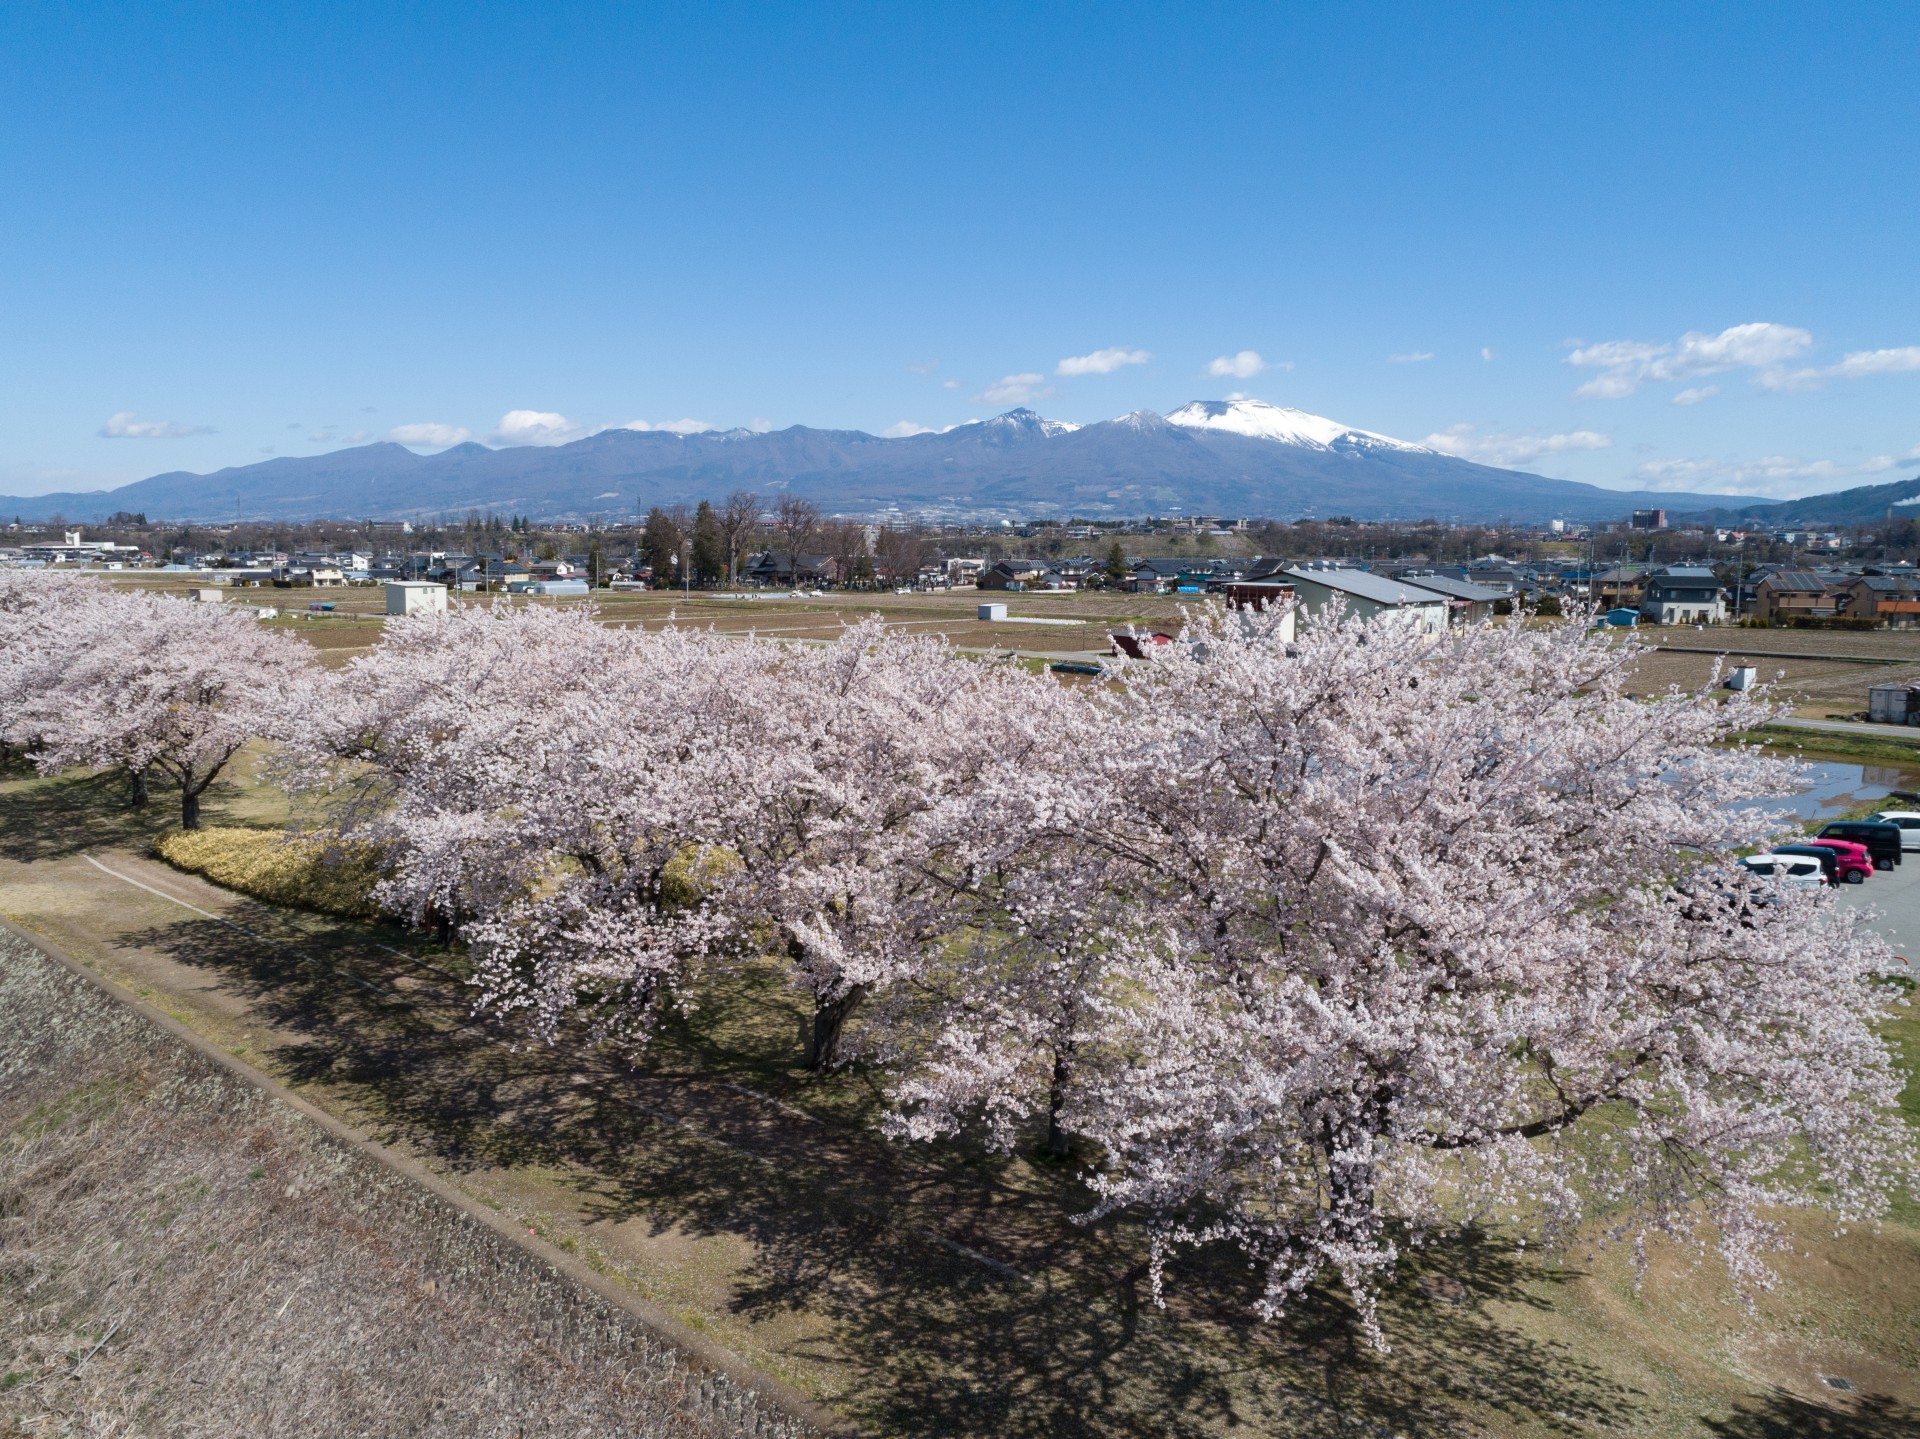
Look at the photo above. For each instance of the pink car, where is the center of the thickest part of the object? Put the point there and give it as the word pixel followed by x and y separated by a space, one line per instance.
pixel 1854 860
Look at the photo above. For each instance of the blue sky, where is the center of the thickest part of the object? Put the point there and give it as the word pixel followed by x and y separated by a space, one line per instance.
pixel 1663 245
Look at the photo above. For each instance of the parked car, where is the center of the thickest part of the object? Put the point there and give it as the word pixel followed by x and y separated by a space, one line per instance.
pixel 1828 861
pixel 1853 864
pixel 1792 871
pixel 1909 822
pixel 1882 839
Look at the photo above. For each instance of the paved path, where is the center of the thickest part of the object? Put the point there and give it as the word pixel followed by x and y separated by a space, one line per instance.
pixel 1898 734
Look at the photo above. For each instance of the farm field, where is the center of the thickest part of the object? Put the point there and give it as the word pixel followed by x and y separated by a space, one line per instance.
pixel 929 1290
pixel 1814 687
pixel 1078 623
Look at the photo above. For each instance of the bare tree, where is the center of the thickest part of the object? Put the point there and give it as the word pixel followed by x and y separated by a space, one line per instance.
pixel 739 517
pixel 899 554
pixel 797 522
pixel 845 543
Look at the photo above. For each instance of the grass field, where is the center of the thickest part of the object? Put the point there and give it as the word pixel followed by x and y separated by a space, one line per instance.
pixel 939 1290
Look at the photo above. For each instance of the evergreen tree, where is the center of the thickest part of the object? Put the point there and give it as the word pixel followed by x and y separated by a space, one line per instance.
pixel 1117 571
pixel 709 546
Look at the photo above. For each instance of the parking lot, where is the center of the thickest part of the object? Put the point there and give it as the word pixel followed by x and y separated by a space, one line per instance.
pixel 1896 894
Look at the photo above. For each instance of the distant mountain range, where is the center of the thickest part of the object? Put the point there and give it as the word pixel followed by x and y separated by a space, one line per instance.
pixel 1220 457
pixel 1859 506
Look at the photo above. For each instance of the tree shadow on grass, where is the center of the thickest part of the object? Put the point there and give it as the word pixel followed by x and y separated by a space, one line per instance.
pixel 64 815
pixel 1780 1415
pixel 1046 1329
pixel 42 819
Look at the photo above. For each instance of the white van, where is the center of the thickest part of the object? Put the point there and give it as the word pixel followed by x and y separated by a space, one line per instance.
pixel 1909 822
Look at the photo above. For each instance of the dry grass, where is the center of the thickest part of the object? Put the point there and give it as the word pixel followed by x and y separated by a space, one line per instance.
pixel 278 866
pixel 182 1255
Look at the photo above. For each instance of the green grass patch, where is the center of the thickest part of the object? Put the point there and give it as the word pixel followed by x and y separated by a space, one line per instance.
pixel 1829 744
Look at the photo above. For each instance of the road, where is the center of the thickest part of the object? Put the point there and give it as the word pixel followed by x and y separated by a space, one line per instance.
pixel 1898 734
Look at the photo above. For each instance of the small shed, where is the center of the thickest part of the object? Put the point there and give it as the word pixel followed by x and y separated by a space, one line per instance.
pixel 207 594
pixel 557 587
pixel 1894 704
pixel 416 597
pixel 991 612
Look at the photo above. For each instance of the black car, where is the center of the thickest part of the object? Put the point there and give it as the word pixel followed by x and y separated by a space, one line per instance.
pixel 1829 861
pixel 1881 839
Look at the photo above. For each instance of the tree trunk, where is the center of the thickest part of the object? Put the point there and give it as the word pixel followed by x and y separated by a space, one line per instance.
pixel 137 788
pixel 829 1018
pixel 1057 1140
pixel 1350 1186
pixel 189 809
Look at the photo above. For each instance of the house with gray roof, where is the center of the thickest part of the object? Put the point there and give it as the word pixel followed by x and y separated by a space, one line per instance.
pixel 1367 595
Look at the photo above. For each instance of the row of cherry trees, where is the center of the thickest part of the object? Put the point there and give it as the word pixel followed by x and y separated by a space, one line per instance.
pixel 127 681
pixel 1320 949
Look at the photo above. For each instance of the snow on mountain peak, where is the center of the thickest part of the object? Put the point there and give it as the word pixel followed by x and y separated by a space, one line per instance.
pixel 1025 419
pixel 1262 421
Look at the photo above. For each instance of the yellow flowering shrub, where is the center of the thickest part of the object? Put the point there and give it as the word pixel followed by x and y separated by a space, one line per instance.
pixel 277 866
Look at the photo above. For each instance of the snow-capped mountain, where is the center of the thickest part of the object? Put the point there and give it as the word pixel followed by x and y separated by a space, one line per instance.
pixel 1262 421
pixel 1022 423
pixel 1216 457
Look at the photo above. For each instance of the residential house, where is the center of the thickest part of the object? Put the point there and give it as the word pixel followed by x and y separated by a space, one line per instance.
pixel 1792 594
pixel 1014 574
pixel 1618 588
pixel 1467 603
pixel 1683 595
pixel 778 568
pixel 1891 599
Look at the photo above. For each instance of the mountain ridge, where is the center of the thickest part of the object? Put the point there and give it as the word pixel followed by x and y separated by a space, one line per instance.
pixel 1228 457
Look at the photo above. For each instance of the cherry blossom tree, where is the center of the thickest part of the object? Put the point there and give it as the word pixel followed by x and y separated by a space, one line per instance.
pixel 551 789
pixel 1382 934
pixel 866 738
pixel 146 683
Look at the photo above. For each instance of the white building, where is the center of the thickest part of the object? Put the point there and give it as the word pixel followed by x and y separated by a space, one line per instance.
pixel 416 597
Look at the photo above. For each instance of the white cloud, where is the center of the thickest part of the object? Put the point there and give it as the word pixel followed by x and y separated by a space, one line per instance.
pixel 429 435
pixel 126 425
pixel 359 437
pixel 1242 366
pixel 1853 366
pixel 1101 362
pixel 1878 362
pixel 1511 450
pixel 535 427
pixel 1625 365
pixel 321 437
pixel 923 367
pixel 1696 395
pixel 1014 390
pixel 949 384
pixel 1774 476
pixel 672 427
pixel 1486 353
pixel 760 426
pixel 901 429
pixel 1413 357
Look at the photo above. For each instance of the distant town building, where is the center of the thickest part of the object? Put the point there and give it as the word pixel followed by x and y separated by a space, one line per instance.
pixel 1649 520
